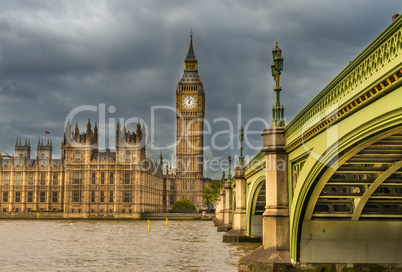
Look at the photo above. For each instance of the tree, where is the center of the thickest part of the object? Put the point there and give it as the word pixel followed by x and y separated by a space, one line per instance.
pixel 184 205
pixel 211 192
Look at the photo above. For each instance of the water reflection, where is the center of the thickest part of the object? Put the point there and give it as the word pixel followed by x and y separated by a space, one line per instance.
pixel 116 246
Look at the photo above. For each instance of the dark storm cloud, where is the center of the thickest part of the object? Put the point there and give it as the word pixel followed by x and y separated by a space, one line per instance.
pixel 58 55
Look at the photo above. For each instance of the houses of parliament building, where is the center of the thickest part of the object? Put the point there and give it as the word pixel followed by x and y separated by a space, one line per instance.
pixel 120 183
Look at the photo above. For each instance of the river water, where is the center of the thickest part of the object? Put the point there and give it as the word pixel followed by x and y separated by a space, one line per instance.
pixel 61 245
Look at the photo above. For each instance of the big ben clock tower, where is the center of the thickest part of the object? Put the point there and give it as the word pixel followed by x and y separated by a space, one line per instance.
pixel 190 106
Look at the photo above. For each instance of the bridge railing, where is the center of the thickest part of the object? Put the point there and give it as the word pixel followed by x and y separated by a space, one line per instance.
pixel 354 80
pixel 255 164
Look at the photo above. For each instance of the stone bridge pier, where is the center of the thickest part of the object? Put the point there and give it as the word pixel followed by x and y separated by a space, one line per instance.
pixel 332 177
pixel 238 233
pixel 274 254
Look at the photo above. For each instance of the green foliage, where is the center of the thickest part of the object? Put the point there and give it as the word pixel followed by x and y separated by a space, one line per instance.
pixel 211 192
pixel 184 205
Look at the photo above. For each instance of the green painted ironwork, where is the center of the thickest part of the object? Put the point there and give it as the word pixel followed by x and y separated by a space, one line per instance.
pixel 223 180
pixel 241 138
pixel 351 82
pixel 230 162
pixel 378 62
pixel 276 68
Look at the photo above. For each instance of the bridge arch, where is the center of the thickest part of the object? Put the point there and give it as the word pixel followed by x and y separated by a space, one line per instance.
pixel 256 207
pixel 307 229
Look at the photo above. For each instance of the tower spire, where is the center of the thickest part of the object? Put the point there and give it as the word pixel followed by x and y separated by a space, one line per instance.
pixel 190 55
pixel 190 75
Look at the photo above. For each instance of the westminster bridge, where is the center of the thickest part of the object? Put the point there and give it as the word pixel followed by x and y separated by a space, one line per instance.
pixel 327 187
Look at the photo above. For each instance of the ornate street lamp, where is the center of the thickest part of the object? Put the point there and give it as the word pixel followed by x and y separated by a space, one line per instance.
pixel 241 138
pixel 276 68
pixel 278 60
pixel 230 162
pixel 223 180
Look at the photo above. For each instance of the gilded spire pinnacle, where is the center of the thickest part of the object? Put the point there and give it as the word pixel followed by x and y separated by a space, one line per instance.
pixel 190 55
pixel 190 75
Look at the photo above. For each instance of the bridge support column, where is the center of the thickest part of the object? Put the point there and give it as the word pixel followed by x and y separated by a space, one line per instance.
pixel 217 211
pixel 220 222
pixel 239 231
pixel 227 215
pixel 274 254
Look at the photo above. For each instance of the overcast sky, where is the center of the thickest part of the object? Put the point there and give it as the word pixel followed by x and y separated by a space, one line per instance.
pixel 58 55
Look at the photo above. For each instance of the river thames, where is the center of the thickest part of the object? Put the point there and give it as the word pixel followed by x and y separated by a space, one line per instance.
pixel 61 245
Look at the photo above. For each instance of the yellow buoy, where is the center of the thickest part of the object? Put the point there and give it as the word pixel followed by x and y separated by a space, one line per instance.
pixel 149 225
pixel 166 222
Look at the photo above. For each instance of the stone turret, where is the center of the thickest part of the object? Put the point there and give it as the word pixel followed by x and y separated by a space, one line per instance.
pixel 95 135
pixel 68 134
pixel 22 151
pixel 161 162
pixel 130 146
pixel 125 137
pixel 44 150
pixel 118 135
pixel 139 131
pixel 88 134
pixel 76 133
pixel 89 137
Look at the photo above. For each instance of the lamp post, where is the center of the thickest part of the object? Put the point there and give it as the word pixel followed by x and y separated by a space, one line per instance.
pixel 276 68
pixel 223 180
pixel 241 138
pixel 230 162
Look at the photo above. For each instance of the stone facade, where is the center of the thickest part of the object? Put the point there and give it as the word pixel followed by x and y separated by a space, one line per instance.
pixel 27 184
pixel 190 108
pixel 85 181
pixel 88 182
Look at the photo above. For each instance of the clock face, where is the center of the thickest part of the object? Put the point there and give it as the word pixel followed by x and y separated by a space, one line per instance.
pixel 189 102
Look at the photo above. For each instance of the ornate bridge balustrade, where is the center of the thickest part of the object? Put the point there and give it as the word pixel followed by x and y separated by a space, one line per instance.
pixel 361 82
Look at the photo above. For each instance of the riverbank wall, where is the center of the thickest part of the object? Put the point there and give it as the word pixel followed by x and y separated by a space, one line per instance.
pixel 178 216
pixel 143 216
